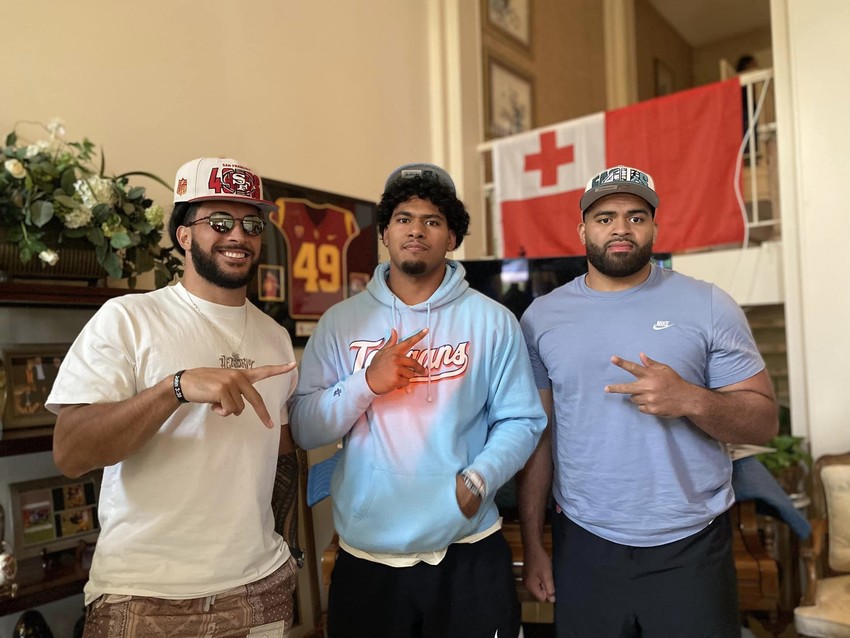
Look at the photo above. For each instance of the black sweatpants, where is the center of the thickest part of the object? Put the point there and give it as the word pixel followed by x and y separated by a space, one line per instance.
pixel 685 589
pixel 469 594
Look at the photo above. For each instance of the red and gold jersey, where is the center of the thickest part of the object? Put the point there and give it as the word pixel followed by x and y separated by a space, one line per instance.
pixel 317 238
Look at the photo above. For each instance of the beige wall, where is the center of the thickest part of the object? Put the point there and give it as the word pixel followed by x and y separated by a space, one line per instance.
pixel 657 42
pixel 566 60
pixel 706 59
pixel 329 94
pixel 812 137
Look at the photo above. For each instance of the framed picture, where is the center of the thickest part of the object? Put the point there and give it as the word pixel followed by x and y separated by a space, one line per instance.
pixel 663 78
pixel 314 241
pixel 509 99
pixel 511 18
pixel 54 513
pixel 270 283
pixel 30 370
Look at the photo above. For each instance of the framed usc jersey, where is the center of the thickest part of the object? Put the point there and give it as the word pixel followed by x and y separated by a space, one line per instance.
pixel 318 249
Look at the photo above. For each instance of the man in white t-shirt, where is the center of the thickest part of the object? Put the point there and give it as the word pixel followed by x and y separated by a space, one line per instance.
pixel 180 396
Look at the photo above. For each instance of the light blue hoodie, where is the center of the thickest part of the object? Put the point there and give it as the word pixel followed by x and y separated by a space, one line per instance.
pixel 478 408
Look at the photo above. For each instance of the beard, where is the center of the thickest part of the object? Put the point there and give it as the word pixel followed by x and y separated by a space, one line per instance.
pixel 412 267
pixel 207 268
pixel 619 264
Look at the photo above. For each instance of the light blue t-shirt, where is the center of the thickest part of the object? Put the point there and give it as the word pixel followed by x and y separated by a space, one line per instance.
pixel 625 476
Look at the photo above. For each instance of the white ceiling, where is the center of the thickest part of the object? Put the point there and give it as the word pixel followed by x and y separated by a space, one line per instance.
pixel 702 22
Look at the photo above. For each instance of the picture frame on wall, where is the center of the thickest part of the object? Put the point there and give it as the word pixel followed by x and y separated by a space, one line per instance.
pixel 270 282
pixel 29 371
pixel 312 243
pixel 663 78
pixel 509 99
pixel 510 18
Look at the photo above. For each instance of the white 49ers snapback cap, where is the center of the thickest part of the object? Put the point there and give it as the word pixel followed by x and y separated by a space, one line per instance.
pixel 215 178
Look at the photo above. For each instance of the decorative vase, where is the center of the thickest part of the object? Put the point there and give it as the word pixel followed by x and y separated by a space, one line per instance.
pixel 74 263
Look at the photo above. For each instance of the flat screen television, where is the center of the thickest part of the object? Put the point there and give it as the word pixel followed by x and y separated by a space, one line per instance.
pixel 517 282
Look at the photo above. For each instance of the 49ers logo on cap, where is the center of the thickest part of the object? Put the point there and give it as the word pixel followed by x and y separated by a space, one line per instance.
pixel 235 181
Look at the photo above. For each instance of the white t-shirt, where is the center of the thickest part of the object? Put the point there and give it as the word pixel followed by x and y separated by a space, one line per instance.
pixel 189 514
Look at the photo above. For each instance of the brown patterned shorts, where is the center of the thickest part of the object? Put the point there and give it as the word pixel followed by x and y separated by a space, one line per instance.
pixel 261 610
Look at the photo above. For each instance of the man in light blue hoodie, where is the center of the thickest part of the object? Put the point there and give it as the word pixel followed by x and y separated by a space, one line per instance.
pixel 428 383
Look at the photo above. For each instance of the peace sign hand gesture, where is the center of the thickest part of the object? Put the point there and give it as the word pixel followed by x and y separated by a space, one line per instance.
pixel 658 389
pixel 391 368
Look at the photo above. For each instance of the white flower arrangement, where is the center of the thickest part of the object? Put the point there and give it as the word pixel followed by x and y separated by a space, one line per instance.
pixel 52 197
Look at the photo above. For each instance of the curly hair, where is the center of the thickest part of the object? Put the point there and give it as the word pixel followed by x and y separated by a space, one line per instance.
pixel 183 212
pixel 443 198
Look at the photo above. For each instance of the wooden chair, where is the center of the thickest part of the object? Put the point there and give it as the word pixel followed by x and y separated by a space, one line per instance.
pixel 825 607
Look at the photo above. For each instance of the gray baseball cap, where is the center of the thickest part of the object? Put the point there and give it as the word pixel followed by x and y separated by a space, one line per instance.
pixel 424 170
pixel 619 179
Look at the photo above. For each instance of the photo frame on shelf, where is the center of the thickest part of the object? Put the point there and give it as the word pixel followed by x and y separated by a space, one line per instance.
pixel 29 371
pixel 511 19
pixel 54 513
pixel 509 99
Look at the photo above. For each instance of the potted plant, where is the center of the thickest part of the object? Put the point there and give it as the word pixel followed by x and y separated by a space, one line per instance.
pixel 789 463
pixel 53 198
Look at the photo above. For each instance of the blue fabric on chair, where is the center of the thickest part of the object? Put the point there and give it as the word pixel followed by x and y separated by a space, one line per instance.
pixel 752 481
pixel 319 479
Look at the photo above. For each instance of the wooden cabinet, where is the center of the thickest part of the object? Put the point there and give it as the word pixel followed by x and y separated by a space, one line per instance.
pixel 46 295
pixel 45 579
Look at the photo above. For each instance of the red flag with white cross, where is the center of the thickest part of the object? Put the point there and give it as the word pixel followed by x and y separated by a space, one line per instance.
pixel 687 141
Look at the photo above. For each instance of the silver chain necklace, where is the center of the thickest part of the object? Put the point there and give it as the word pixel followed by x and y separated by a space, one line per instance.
pixel 234 360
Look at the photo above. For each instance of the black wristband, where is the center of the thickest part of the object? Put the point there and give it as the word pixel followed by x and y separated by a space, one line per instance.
pixel 178 390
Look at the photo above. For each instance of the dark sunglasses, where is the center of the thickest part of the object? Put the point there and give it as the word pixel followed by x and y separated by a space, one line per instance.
pixel 224 222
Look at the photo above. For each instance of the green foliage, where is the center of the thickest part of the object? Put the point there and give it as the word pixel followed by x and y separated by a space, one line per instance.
pixel 52 197
pixel 790 451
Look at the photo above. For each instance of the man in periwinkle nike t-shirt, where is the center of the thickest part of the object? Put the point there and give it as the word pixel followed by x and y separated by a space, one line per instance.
pixel 645 375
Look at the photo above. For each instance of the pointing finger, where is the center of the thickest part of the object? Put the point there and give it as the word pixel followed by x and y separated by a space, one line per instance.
pixel 253 397
pixel 392 340
pixel 621 388
pixel 264 372
pixel 629 366
pixel 412 340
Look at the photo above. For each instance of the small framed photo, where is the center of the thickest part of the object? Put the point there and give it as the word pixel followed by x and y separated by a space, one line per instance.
pixel 663 78
pixel 30 370
pixel 270 283
pixel 357 282
pixel 511 18
pixel 509 99
pixel 54 513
